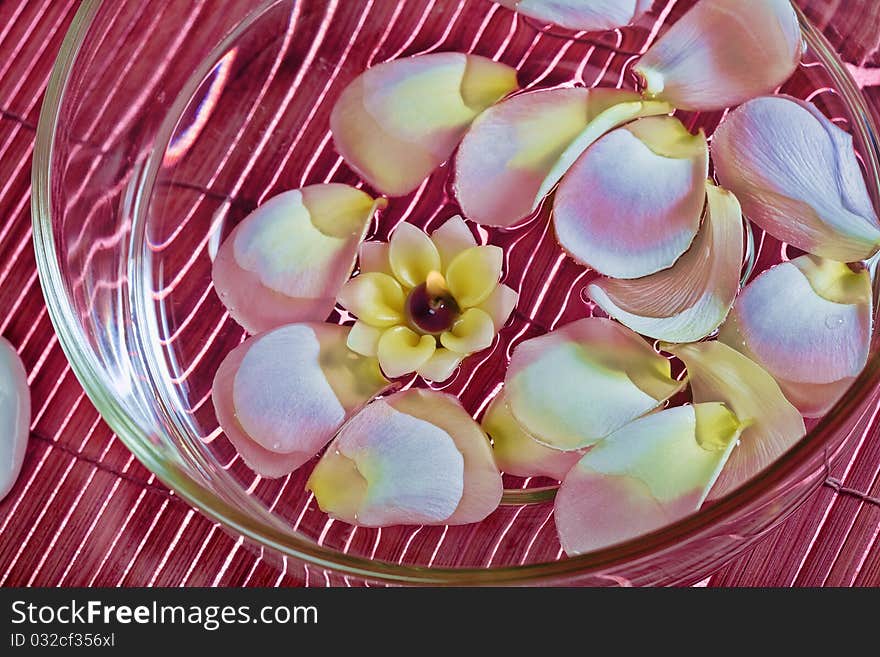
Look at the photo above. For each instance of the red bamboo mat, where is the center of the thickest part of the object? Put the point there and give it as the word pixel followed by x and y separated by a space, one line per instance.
pixel 86 512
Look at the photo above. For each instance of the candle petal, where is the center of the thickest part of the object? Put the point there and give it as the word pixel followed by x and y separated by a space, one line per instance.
pixel 281 396
pixel 631 205
pixel 611 376
pixel 808 322
pixel 402 351
pixel 374 298
pixel 364 339
pixel 688 301
pixel 581 15
pixel 472 332
pixel 15 416
pixel 517 151
pixel 722 53
pixel 474 274
pixel 373 257
pixel 452 238
pixel 285 262
pixel 412 255
pixel 499 305
pixel 400 120
pixel 797 177
pixel 648 474
pixel 519 454
pixel 772 425
pixel 441 365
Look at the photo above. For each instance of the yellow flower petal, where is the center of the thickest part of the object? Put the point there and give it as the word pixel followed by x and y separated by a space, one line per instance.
pixel 402 350
pixel 412 255
pixel 374 298
pixel 364 339
pixel 452 238
pixel 441 365
pixel 473 331
pixel 474 274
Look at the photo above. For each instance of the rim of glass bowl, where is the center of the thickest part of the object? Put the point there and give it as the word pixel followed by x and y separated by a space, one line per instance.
pixel 87 370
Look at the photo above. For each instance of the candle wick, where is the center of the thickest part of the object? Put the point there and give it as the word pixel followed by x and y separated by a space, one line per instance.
pixel 435 285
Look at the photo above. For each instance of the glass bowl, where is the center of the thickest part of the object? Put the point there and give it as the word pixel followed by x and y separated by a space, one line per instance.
pixel 165 123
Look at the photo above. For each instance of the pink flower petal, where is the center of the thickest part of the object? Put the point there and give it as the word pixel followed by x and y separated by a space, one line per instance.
pixel 398 121
pixel 772 425
pixel 286 392
pixel 373 257
pixel 414 458
pixel 15 416
pixel 452 238
pixel 518 453
pixel 516 151
pixel 688 301
pixel 499 305
pixel 807 322
pixel 631 205
pixel 286 261
pixel 797 177
pixel 722 53
pixel 648 474
pixel 581 15
pixel 611 376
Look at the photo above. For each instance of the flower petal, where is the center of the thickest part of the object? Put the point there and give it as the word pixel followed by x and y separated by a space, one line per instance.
pixel 412 255
pixel 474 274
pixel 516 151
pixel 441 365
pixel 581 15
pixel 772 425
pixel 519 454
pixel 286 392
pixel 631 205
pixel 688 301
pixel 611 376
pixel 472 332
pixel 373 257
pixel 797 177
pixel 402 350
pixel 482 481
pixel 499 305
pixel 648 474
pixel 286 261
pixel 387 467
pixel 452 238
pixel 807 322
pixel 364 339
pixel 722 53
pixel 15 416
pixel 400 120
pixel 374 298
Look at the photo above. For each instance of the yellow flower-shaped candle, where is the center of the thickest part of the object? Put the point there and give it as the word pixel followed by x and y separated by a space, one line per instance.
pixel 425 303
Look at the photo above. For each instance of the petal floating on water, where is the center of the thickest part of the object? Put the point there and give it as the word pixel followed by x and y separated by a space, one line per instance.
pixel 808 322
pixel 576 385
pixel 286 261
pixel 772 425
pixel 797 177
pixel 518 150
pixel 400 120
pixel 648 474
pixel 722 53
pixel 688 301
pixel 631 205
pixel 581 15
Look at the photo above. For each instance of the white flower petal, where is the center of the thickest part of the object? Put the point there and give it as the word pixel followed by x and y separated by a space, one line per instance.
pixel 286 261
pixel 581 15
pixel 648 474
pixel 809 323
pixel 688 301
pixel 400 120
pixel 15 416
pixel 576 385
pixel 797 177
pixel 772 425
pixel 722 53
pixel 631 205
pixel 374 257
